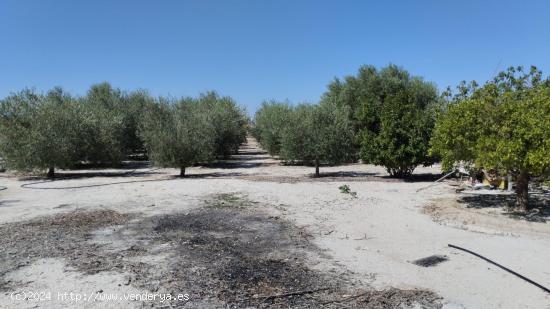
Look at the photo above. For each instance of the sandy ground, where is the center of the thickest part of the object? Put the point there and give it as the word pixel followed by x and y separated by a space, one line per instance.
pixel 369 240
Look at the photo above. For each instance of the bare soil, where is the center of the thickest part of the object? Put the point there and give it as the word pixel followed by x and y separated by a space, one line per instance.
pixel 227 253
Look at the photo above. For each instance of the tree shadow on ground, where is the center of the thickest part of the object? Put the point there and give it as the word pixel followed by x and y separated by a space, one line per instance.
pixel 39 184
pixel 538 201
pixel 247 157
pixel 254 153
pixel 424 177
pixel 210 175
pixel 233 164
pixel 343 174
pixel 92 174
pixel 130 164
pixel 91 170
pixel 6 203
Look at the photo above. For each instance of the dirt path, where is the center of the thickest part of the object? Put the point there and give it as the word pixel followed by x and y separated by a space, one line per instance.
pixel 248 231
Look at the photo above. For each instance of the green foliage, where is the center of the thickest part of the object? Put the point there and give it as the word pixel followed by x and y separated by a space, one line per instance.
pixel 110 123
pixel 39 132
pixel 229 122
pixel 519 138
pixel 133 107
pixel 347 190
pixel 354 92
pixel 270 121
pixel 104 130
pixel 318 134
pixel 392 113
pixel 190 131
pixel 178 134
pixel 298 136
pixel 104 126
pixel 505 126
pixel 344 189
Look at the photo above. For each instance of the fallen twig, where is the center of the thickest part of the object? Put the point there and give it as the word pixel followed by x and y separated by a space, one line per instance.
pixel 345 299
pixel 293 294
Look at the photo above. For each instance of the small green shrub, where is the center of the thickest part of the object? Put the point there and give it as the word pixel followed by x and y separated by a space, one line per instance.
pixel 347 190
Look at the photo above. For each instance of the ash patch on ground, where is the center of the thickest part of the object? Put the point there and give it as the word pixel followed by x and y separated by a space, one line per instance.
pixel 239 257
pixel 430 261
pixel 63 235
pixel 228 254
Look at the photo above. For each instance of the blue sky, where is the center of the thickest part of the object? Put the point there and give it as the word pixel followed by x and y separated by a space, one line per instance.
pixel 257 50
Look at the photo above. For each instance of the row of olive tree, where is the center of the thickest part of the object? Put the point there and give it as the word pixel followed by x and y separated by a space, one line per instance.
pixel 181 133
pixel 385 117
pixel 308 134
pixel 269 122
pixel 318 134
pixel 57 130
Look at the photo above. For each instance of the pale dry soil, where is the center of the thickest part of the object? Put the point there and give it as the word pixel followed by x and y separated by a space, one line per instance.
pixel 250 232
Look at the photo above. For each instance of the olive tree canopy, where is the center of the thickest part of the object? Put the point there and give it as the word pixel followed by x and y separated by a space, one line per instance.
pixel 228 120
pixel 39 132
pixel 269 122
pixel 318 134
pixel 178 134
pixel 392 114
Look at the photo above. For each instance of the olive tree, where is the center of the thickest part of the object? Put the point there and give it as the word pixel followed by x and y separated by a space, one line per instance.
pixel 133 106
pixel 392 114
pixel 39 132
pixel 269 122
pixel 178 134
pixel 398 132
pixel 318 134
pixel 228 120
pixel 105 131
pixel 504 125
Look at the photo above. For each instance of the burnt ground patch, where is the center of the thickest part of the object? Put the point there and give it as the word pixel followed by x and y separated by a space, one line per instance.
pixel 60 236
pixel 70 237
pixel 242 258
pixel 228 254
pixel 430 261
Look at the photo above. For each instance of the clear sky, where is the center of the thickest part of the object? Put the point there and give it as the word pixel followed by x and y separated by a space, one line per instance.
pixel 256 50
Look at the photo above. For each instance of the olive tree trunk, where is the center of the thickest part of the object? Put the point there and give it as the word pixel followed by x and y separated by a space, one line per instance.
pixel 51 172
pixel 317 168
pixel 182 171
pixel 522 191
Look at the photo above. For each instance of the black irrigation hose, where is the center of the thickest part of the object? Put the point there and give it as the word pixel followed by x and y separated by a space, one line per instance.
pixel 26 186
pixel 547 290
pixel 3 188
pixel 29 185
